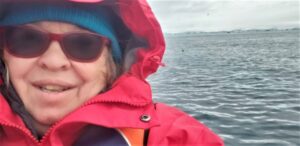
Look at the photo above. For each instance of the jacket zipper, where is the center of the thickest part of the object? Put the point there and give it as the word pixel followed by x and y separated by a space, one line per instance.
pixel 113 101
pixel 22 129
pixel 46 135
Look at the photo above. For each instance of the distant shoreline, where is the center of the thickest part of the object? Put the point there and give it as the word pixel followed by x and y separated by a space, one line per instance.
pixel 231 32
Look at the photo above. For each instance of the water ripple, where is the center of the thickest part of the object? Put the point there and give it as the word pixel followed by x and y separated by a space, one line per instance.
pixel 245 87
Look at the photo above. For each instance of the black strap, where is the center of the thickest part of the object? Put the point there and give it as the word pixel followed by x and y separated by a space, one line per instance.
pixel 146 135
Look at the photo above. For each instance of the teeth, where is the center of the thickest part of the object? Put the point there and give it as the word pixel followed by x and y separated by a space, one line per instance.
pixel 52 88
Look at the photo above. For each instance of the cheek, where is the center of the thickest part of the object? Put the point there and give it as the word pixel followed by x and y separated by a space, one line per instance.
pixel 97 71
pixel 18 68
pixel 94 80
pixel 91 73
pixel 94 77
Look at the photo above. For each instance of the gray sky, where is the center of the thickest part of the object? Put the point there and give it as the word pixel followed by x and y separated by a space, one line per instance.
pixel 217 15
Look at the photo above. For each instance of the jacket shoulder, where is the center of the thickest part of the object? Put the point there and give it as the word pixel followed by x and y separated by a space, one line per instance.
pixel 178 128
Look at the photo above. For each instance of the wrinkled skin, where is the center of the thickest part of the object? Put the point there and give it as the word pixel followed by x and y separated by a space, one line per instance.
pixel 53 69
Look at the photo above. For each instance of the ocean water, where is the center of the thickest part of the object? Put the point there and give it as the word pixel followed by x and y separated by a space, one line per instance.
pixel 244 86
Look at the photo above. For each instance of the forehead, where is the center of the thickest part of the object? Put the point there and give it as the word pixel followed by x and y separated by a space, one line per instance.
pixel 57 27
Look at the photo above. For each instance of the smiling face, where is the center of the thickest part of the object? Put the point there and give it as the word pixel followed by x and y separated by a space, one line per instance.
pixel 52 85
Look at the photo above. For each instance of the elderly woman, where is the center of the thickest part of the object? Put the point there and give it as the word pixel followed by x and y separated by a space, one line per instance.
pixel 73 73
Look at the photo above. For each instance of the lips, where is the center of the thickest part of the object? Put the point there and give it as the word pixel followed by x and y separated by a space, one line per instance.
pixel 52 86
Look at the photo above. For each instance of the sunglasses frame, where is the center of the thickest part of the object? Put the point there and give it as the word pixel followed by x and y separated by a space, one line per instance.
pixel 50 38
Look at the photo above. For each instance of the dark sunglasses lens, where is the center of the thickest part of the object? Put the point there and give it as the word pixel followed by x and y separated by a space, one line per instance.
pixel 25 42
pixel 83 47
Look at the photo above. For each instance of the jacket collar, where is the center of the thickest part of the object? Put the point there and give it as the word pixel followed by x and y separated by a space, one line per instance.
pixel 125 105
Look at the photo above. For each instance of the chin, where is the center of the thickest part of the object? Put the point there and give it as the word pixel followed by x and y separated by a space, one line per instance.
pixel 48 118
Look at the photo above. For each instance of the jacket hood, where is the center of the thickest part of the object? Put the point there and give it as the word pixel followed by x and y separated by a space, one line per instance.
pixel 139 18
pixel 144 44
pixel 142 54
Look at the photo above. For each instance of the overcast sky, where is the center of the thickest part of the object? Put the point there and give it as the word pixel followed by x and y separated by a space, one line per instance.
pixel 218 15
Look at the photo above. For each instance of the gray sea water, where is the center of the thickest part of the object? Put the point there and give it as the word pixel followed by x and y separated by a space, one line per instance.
pixel 244 86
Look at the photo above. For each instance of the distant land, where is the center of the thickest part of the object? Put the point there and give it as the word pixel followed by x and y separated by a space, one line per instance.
pixel 232 31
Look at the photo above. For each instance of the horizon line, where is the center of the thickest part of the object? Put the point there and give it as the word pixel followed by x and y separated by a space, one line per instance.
pixel 234 30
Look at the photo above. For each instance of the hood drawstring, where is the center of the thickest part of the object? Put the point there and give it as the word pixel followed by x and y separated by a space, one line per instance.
pixel 156 59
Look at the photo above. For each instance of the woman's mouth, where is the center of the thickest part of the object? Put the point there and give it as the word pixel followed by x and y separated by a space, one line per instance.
pixel 53 88
pixel 53 91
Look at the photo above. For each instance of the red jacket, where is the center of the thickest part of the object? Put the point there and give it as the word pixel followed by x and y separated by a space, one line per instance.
pixel 123 106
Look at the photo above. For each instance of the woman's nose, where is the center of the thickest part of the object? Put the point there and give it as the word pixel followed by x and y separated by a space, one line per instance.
pixel 54 58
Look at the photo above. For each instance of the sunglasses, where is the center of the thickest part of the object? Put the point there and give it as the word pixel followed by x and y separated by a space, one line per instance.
pixel 27 42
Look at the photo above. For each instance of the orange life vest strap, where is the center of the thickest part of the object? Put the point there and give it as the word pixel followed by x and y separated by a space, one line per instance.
pixel 134 136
